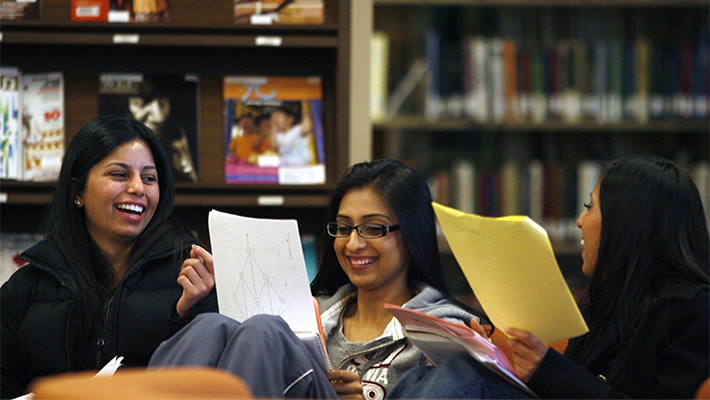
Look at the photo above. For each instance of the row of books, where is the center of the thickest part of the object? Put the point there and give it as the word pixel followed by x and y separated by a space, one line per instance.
pixel 603 81
pixel 254 12
pixel 273 126
pixel 551 194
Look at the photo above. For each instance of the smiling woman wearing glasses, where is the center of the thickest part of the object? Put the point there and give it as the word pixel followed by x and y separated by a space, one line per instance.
pixel 381 248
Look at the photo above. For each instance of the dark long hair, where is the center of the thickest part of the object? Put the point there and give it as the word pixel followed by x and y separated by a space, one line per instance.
pixel 406 192
pixel 66 224
pixel 653 232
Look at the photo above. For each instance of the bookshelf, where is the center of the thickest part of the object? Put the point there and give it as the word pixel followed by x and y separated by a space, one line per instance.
pixel 485 162
pixel 200 38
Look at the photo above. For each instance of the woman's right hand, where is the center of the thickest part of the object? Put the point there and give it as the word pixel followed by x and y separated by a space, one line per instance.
pixel 346 383
pixel 196 278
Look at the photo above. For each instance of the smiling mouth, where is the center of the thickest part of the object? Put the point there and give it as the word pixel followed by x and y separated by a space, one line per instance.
pixel 130 209
pixel 361 262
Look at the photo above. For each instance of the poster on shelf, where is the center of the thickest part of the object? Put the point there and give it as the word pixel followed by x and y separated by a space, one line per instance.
pixel 43 128
pixel 167 104
pixel 10 124
pixel 20 9
pixel 273 130
pixel 279 12
pixel 120 10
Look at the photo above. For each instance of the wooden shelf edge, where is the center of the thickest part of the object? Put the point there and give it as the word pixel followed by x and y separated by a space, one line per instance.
pixel 547 3
pixel 252 200
pixel 40 193
pixel 421 123
pixel 168 39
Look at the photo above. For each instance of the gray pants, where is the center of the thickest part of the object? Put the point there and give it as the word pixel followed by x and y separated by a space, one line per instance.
pixel 262 350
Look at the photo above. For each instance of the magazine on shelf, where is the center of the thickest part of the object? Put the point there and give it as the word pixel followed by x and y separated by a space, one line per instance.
pixel 10 124
pixel 260 268
pixel 439 339
pixel 43 129
pixel 120 10
pixel 167 104
pixel 279 12
pixel 20 9
pixel 273 130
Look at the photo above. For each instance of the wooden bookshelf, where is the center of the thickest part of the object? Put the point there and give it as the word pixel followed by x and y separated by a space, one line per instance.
pixel 434 143
pixel 201 38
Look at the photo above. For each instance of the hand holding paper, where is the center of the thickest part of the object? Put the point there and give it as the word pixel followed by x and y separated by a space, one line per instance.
pixel 511 268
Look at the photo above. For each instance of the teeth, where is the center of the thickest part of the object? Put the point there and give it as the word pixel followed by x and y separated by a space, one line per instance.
pixel 130 207
pixel 361 262
pixel 581 242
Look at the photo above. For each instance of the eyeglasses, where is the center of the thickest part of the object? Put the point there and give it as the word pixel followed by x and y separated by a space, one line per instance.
pixel 367 231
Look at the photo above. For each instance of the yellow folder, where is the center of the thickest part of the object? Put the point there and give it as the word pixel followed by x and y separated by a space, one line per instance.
pixel 511 268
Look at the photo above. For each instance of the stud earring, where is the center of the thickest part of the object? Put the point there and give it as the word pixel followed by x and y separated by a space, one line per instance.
pixel 77 203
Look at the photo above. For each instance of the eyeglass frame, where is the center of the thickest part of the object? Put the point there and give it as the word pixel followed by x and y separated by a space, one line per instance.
pixel 385 229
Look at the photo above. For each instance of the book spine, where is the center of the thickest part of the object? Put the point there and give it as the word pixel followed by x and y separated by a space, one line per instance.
pixel 379 67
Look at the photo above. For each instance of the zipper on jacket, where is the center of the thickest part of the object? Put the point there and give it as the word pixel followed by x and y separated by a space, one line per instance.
pixel 117 296
pixel 100 342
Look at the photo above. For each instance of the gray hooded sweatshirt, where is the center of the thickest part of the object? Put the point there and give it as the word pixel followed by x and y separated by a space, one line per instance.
pixel 381 362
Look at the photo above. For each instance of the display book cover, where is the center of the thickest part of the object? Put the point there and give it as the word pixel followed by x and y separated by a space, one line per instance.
pixel 273 130
pixel 259 268
pixel 511 268
pixel 32 129
pixel 120 11
pixel 279 12
pixel 168 104
pixel 20 9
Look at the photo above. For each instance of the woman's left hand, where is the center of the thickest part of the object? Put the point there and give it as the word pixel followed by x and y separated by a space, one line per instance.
pixel 528 352
pixel 346 383
pixel 196 278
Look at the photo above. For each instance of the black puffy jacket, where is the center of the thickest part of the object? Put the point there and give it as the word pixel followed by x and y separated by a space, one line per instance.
pixel 41 329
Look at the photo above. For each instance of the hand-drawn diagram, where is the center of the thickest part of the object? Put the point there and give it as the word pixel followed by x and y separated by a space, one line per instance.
pixel 255 293
pixel 260 269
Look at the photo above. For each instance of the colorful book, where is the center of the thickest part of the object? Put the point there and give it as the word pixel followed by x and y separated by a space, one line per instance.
pixel 167 104
pixel 535 179
pixel 616 81
pixel 120 10
pixel 43 129
pixel 279 12
pixel 20 9
pixel 510 80
pixel 10 124
pixel 379 70
pixel 273 130
pixel 476 84
pixel 539 101
pixel 439 339
pixel 464 185
pixel 444 90
pixel 524 105
pixel 497 77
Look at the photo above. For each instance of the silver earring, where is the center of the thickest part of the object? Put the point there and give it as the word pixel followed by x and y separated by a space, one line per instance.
pixel 77 203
